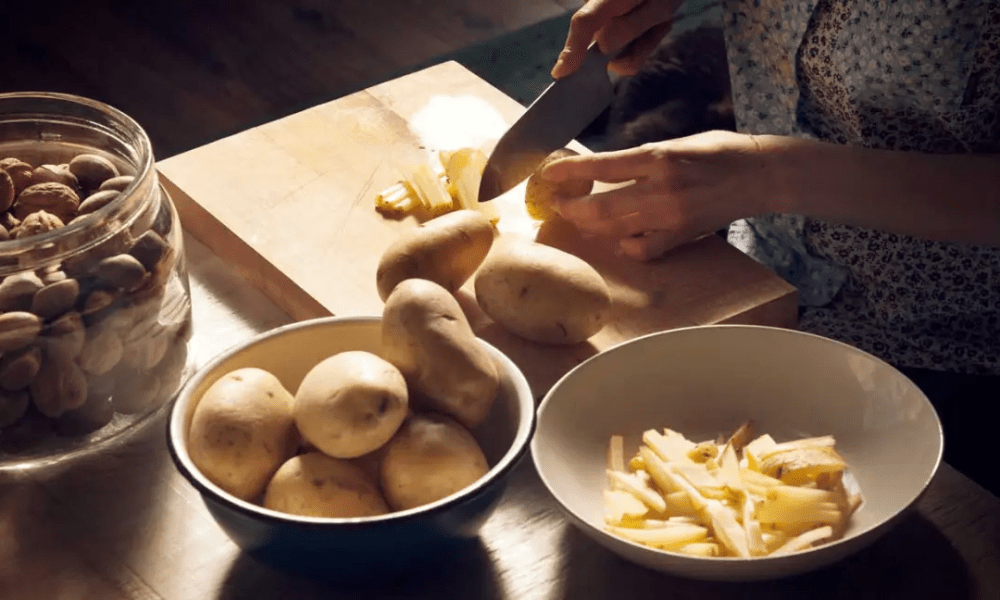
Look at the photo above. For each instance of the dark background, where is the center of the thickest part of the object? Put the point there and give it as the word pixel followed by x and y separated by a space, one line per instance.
pixel 193 71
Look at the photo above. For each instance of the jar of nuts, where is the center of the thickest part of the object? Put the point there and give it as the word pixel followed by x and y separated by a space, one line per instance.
pixel 95 310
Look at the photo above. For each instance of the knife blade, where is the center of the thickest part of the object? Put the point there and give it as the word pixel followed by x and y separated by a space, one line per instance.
pixel 557 116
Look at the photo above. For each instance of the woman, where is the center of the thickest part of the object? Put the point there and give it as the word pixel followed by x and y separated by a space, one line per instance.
pixel 866 173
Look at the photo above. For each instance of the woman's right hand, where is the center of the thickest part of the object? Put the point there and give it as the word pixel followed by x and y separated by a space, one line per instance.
pixel 639 25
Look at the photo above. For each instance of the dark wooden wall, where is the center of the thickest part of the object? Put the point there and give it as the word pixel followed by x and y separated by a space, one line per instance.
pixel 190 71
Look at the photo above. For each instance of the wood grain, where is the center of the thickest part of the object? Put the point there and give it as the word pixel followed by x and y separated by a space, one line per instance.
pixel 194 71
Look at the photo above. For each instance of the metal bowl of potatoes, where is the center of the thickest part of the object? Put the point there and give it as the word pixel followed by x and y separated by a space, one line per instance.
pixel 301 489
pixel 735 452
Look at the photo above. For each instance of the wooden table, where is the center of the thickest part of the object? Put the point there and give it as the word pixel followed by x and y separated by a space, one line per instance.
pixel 126 525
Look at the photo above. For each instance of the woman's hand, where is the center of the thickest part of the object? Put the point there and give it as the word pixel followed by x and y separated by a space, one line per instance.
pixel 614 25
pixel 680 190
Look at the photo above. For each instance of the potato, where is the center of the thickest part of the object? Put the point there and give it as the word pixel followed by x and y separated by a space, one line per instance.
pixel 242 430
pixel 446 250
pixel 431 457
pixel 538 192
pixel 317 485
pixel 350 404
pixel 427 337
pixel 541 293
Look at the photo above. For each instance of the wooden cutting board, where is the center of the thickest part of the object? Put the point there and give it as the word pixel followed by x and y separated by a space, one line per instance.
pixel 290 206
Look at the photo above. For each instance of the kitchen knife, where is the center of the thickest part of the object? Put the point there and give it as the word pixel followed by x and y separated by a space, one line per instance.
pixel 557 116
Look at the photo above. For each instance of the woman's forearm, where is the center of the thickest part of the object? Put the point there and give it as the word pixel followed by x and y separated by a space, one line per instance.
pixel 945 197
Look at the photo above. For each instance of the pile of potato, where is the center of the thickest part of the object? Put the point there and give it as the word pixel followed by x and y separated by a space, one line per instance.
pixel 363 434
pixel 534 291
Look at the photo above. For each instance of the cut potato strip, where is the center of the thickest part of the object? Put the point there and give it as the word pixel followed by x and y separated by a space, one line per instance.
pixel 427 184
pixel 854 502
pixel 758 479
pixel 752 497
pixel 464 169
pixel 700 549
pixel 803 541
pixel 729 532
pixel 663 537
pixel 670 447
pixel 669 481
pixel 621 505
pixel 785 516
pixel 679 504
pixel 704 481
pixel 397 200
pixel 639 489
pixel 616 453
pixel 798 466
pixel 826 441
pixel 447 181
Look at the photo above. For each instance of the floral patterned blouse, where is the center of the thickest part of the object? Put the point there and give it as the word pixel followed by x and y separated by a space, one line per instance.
pixel 914 75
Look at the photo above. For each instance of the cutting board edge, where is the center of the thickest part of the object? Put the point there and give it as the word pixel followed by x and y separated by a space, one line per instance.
pixel 244 259
pixel 780 311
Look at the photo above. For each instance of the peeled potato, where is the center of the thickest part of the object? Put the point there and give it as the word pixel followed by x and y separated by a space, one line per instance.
pixel 350 404
pixel 539 192
pixel 431 457
pixel 317 485
pixel 242 430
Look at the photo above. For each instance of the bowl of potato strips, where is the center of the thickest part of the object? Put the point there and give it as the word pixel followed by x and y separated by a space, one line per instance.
pixel 735 452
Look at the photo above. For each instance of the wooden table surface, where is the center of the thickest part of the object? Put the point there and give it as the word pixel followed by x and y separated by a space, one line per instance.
pixel 126 525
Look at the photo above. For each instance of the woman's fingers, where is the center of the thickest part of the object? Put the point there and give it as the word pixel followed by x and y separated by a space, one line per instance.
pixel 602 206
pixel 610 167
pixel 583 26
pixel 630 61
pixel 626 28
pixel 617 213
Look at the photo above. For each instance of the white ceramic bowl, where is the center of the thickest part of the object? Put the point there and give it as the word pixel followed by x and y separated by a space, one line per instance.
pixel 702 381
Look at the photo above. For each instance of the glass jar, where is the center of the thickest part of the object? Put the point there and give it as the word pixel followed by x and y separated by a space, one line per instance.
pixel 95 310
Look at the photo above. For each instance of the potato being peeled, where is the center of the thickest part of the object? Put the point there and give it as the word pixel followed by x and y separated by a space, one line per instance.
pixel 446 250
pixel 317 485
pixel 427 337
pixel 538 192
pixel 431 457
pixel 350 404
pixel 541 293
pixel 242 430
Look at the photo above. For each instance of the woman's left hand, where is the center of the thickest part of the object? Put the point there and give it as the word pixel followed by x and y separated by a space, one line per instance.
pixel 680 190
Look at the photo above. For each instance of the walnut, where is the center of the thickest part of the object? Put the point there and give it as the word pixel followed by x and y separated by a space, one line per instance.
pixel 55 174
pixel 36 223
pixel 9 221
pixel 6 190
pixel 55 198
pixel 19 171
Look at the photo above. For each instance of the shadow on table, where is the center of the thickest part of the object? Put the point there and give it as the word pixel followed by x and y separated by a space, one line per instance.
pixel 913 561
pixel 100 507
pixel 467 572
pixel 227 287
